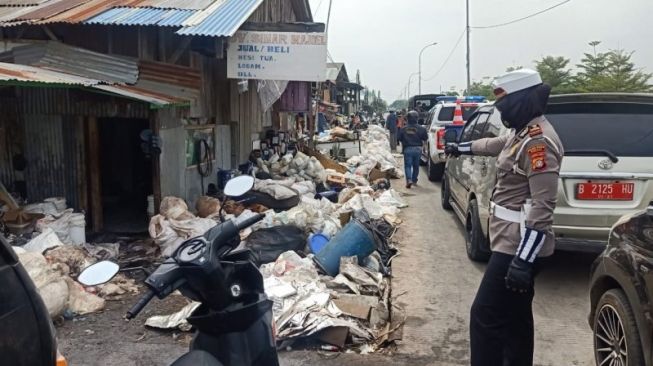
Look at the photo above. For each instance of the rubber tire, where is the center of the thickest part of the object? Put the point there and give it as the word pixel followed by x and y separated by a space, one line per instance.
pixel 617 298
pixel 445 195
pixel 475 240
pixel 435 171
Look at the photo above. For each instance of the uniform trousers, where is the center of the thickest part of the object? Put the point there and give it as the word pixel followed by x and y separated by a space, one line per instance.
pixel 501 321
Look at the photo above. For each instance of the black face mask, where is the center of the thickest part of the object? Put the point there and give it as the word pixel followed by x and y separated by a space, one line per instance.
pixel 519 108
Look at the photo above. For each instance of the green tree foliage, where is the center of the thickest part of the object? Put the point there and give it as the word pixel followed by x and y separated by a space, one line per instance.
pixel 555 72
pixel 399 104
pixel 481 88
pixel 452 93
pixel 379 106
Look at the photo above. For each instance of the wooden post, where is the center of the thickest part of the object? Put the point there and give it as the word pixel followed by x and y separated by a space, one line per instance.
pixel 94 171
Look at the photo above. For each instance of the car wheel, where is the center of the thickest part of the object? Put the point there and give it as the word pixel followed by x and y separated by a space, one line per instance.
pixel 435 171
pixel 445 195
pixel 616 339
pixel 475 240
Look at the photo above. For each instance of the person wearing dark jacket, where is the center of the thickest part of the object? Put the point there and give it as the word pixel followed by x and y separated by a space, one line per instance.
pixel 411 138
pixel 391 126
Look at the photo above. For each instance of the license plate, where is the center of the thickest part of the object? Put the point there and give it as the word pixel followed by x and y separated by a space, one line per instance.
pixel 605 191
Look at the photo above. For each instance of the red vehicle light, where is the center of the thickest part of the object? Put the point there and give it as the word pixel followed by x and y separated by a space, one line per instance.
pixel 439 139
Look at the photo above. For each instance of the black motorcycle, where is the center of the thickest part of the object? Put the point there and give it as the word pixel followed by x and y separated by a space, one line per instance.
pixel 234 320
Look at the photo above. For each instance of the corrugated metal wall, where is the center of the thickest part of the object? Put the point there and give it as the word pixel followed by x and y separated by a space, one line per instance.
pixel 45 173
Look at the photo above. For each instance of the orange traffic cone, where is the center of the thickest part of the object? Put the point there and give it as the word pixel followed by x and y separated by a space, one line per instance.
pixel 458 114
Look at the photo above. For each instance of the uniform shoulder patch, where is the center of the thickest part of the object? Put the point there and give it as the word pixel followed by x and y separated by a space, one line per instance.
pixel 534 131
pixel 537 153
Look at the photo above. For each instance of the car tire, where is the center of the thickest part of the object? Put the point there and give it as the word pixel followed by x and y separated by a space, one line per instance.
pixel 614 319
pixel 445 195
pixel 475 240
pixel 435 171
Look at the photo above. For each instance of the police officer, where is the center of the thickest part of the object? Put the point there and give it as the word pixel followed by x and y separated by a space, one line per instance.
pixel 528 166
pixel 411 138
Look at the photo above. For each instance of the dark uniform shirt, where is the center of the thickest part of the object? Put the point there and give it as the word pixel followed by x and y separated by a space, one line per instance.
pixel 412 135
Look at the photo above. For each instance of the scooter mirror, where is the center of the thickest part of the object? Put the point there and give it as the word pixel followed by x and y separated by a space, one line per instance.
pixel 238 186
pixel 98 273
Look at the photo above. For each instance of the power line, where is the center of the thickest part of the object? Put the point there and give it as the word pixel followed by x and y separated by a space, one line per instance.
pixel 460 38
pixel 523 18
pixel 318 6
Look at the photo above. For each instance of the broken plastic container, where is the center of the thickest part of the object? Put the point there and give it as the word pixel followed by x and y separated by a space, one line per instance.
pixel 353 240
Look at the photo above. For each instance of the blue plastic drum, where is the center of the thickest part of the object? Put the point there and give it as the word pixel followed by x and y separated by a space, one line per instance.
pixel 353 240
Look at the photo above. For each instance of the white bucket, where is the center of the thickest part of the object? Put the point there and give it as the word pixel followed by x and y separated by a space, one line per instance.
pixel 150 205
pixel 58 202
pixel 77 229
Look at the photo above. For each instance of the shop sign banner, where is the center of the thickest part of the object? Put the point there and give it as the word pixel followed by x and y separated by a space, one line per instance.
pixel 277 56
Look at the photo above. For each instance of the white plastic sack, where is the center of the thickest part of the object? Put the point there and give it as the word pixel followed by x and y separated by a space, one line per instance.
pixel 50 284
pixel 169 234
pixel 80 301
pixel 46 240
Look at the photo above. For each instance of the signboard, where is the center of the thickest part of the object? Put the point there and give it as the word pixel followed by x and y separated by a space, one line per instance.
pixel 277 56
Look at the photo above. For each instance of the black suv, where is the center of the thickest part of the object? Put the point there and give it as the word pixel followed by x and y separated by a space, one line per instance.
pixel 621 294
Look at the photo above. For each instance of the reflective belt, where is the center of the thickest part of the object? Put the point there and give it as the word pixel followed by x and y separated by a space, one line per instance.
pixel 505 214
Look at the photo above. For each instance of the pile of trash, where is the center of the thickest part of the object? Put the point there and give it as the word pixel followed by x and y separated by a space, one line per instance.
pixel 301 167
pixel 337 134
pixel 326 261
pixel 375 153
pixel 52 265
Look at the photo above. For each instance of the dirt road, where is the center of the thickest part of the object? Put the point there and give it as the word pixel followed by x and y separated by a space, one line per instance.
pixel 438 284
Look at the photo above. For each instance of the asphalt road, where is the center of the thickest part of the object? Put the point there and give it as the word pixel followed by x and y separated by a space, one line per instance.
pixel 434 282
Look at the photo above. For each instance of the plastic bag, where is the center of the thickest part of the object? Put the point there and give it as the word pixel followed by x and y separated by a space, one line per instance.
pixel 268 244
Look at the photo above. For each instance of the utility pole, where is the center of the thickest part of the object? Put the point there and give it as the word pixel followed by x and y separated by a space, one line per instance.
pixel 469 74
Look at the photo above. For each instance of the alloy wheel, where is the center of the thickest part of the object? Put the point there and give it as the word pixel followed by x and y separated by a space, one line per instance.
pixel 610 338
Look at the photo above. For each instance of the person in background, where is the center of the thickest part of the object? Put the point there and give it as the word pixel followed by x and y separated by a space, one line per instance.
pixel 411 138
pixel 391 126
pixel 322 124
pixel 401 119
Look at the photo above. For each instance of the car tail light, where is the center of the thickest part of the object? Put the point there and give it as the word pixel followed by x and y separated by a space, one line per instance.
pixel 439 139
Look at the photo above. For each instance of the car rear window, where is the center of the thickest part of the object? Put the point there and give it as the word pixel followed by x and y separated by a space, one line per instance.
pixel 446 113
pixel 623 129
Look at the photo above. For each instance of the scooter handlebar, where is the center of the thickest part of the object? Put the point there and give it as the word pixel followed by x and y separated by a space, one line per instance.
pixel 144 300
pixel 249 222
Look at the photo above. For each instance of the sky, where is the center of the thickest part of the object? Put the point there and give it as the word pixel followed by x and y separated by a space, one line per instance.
pixel 383 38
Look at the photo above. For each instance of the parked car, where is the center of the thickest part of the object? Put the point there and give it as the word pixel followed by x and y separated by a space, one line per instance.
pixel 621 294
pixel 607 171
pixel 438 117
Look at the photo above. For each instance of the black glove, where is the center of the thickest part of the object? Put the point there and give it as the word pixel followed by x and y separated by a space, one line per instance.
pixel 520 276
pixel 452 149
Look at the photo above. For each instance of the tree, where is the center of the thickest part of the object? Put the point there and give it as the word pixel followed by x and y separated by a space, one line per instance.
pixel 611 71
pixel 379 106
pixel 514 68
pixel 482 89
pixel 452 93
pixel 555 72
pixel 399 104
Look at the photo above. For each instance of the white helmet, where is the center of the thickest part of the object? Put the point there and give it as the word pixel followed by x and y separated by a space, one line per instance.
pixel 515 81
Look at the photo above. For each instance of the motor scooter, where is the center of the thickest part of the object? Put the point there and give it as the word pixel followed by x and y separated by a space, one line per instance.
pixel 234 320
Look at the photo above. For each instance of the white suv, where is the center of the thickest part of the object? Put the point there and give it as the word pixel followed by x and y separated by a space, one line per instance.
pixel 438 117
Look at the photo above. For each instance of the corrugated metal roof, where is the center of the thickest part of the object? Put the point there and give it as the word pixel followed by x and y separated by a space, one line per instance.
pixel 222 19
pixel 21 2
pixel 78 61
pixel 169 74
pixel 159 94
pixel 50 9
pixel 30 74
pixel 85 11
pixel 177 4
pixel 141 16
pixel 8 13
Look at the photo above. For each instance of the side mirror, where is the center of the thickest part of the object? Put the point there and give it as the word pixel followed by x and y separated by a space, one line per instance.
pixel 649 210
pixel 238 186
pixel 98 273
pixel 450 136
